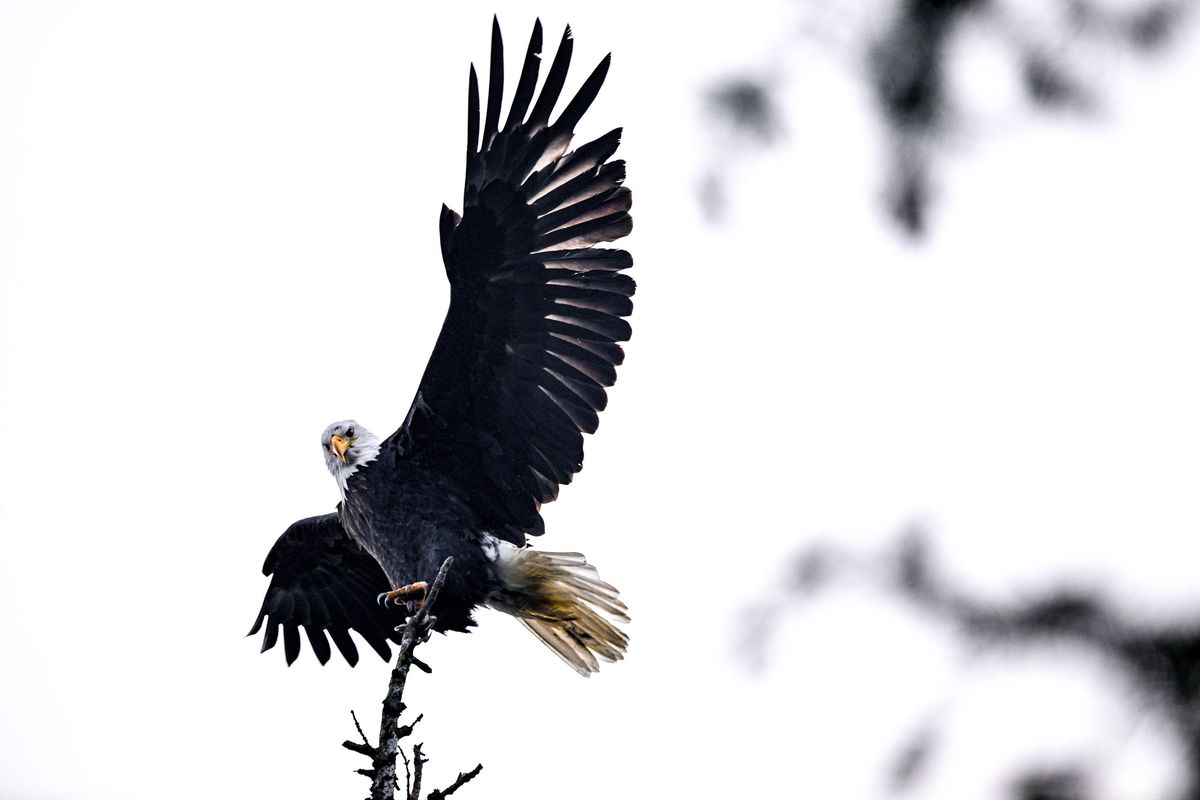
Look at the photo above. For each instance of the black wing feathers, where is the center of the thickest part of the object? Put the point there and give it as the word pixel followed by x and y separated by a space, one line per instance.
pixel 584 97
pixel 322 580
pixel 495 88
pixel 529 73
pixel 530 342
pixel 446 225
pixel 472 120
pixel 555 79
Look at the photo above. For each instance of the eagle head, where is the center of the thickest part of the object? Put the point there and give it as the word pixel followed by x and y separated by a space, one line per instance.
pixel 347 447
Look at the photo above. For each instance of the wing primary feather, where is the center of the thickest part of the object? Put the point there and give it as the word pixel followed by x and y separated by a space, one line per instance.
pixel 472 121
pixel 320 645
pixel 526 160
pixel 446 225
pixel 581 260
pixel 603 229
pixel 341 638
pixel 614 329
pixel 586 391
pixel 588 283
pixel 604 202
pixel 271 636
pixel 609 351
pixel 586 375
pixel 301 607
pixel 584 97
pixel 495 86
pixel 528 79
pixel 586 157
pixel 544 464
pixel 607 304
pixel 555 79
pixel 291 642
pixel 586 184
pixel 548 489
pixel 602 374
pixel 582 417
pixel 575 332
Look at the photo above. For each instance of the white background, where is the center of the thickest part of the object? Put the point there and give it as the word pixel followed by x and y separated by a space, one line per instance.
pixel 218 234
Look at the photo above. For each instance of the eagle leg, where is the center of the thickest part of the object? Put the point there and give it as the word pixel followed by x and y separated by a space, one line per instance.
pixel 413 593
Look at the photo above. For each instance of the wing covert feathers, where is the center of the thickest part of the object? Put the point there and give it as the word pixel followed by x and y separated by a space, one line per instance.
pixel 538 308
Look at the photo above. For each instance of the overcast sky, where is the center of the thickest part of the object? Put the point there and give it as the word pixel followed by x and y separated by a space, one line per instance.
pixel 218 234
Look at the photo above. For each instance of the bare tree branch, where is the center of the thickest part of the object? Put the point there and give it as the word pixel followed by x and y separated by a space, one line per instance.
pixel 407 775
pixel 365 748
pixel 382 773
pixel 419 760
pixel 463 777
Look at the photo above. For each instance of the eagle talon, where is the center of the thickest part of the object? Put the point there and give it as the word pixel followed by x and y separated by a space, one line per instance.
pixel 423 628
pixel 404 593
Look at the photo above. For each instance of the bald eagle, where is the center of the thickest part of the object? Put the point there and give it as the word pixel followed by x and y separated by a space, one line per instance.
pixel 518 374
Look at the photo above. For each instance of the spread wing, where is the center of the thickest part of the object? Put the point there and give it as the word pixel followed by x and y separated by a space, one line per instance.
pixel 536 309
pixel 322 580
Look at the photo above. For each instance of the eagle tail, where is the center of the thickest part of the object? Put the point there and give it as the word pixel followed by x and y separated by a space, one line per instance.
pixel 561 599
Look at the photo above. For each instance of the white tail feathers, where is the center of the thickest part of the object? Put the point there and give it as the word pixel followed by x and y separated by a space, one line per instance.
pixel 561 599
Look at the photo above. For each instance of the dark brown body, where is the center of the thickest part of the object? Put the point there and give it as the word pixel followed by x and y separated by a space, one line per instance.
pixel 410 519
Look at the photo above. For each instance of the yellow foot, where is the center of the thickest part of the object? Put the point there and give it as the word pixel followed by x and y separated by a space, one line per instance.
pixel 414 592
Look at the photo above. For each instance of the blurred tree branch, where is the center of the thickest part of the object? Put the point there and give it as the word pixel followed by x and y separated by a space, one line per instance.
pixel 382 772
pixel 1162 660
pixel 907 57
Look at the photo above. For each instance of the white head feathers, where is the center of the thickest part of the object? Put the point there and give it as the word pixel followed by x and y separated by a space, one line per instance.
pixel 347 447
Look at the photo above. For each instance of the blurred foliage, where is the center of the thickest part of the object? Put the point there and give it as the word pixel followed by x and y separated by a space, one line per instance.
pixel 907 62
pixel 1161 661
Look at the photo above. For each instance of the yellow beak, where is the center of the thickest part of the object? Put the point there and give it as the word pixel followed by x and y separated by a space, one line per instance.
pixel 340 446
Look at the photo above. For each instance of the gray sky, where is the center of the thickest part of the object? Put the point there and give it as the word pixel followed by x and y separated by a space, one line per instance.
pixel 218 234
